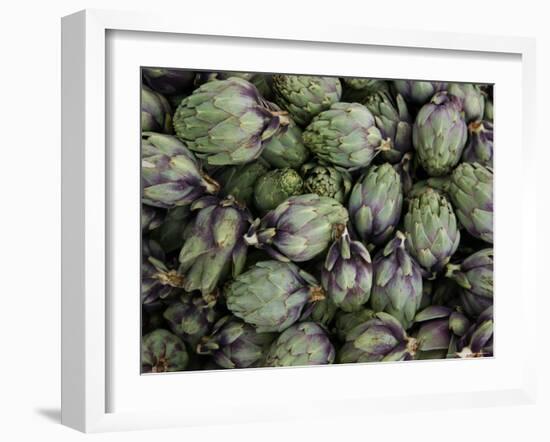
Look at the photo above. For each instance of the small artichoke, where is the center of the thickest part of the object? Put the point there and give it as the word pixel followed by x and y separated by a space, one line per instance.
pixel 170 173
pixel 347 274
pixel 478 342
pixel 431 230
pixel 471 192
pixel 439 134
pixel 418 93
pixel 375 204
pixel 227 121
pixel 238 181
pixel 156 114
pixel 299 229
pixel 475 277
pixel 286 148
pixel 275 187
pixel 471 99
pixel 305 343
pixel 168 81
pixel 380 339
pixel 345 135
pixel 216 246
pixel 330 181
pixel 158 282
pixel 161 351
pixel 344 321
pixel 271 295
pixel 397 282
pixel 235 344
pixel 479 148
pixel 305 96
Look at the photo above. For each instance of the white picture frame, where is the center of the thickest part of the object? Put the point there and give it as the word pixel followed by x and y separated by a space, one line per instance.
pixel 94 238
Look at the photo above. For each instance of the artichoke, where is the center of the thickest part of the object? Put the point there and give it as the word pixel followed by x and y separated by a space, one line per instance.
pixel 191 317
pixel 286 148
pixel 271 295
pixel 439 134
pixel 394 122
pixel 344 321
pixel 471 99
pixel 347 274
pixel 235 344
pixel 439 332
pixel 275 187
pixel 158 282
pixel 227 121
pixel 475 277
pixel 156 114
pixel 333 182
pixel 478 342
pixel 471 192
pixel 397 282
pixel 238 181
pixel 381 338
pixel 261 81
pixel 345 135
pixel 151 218
pixel 299 229
pixel 357 90
pixel 162 351
pixel 418 93
pixel 304 343
pixel 479 148
pixel 216 246
pixel 170 234
pixel 431 230
pixel 168 81
pixel 375 204
pixel 170 173
pixel 305 96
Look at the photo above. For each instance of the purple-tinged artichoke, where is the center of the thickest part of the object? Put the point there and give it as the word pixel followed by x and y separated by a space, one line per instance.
pixel 382 338
pixel 418 93
pixel 305 96
pixel 299 229
pixel 158 281
pixel 431 230
pixel 375 204
pixel 394 122
pixel 275 187
pixel 330 181
pixel 397 282
pixel 238 181
pixel 345 135
pixel 471 99
pixel 216 246
pixel 168 81
pixel 478 342
pixel 475 277
pixel 156 114
pixel 170 173
pixel 192 317
pixel 345 321
pixel 347 274
pixel 151 218
pixel 439 134
pixel 305 343
pixel 479 148
pixel 471 192
pixel 440 329
pixel 286 148
pixel 227 121
pixel 235 344
pixel 161 351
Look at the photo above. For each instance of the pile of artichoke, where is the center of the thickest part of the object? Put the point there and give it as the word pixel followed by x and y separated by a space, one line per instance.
pixel 298 220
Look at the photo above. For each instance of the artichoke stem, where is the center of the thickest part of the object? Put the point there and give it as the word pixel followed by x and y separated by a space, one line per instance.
pixel 316 294
pixel 171 278
pixel 412 346
pixel 212 186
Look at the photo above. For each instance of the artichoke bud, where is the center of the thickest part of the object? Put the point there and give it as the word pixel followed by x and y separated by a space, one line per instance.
pixel 275 187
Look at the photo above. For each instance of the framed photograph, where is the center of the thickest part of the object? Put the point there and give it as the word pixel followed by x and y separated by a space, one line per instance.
pixel 250 214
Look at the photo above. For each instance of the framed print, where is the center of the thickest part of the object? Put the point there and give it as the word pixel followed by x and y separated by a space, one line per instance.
pixel 249 214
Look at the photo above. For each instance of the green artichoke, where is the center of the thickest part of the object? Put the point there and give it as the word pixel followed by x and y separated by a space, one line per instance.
pixel 161 351
pixel 345 135
pixel 168 81
pixel 480 144
pixel 334 182
pixel 375 204
pixel 471 99
pixel 156 114
pixel 431 230
pixel 478 342
pixel 299 229
pixel 439 134
pixel 418 93
pixel 344 321
pixel 305 343
pixel 271 295
pixel 275 187
pixel 227 121
pixel 170 173
pixel 216 246
pixel 305 96
pixel 286 148
pixel 471 192
pixel 238 181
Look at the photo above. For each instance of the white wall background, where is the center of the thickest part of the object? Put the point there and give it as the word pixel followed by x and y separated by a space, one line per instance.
pixel 30 222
